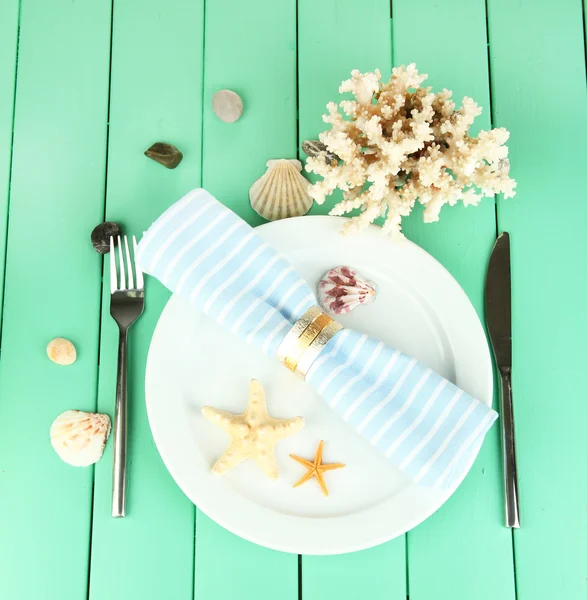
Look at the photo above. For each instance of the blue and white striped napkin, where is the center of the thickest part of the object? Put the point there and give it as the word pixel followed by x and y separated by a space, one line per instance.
pixel 420 421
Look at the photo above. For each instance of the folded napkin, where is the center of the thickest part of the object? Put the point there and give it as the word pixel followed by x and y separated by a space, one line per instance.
pixel 420 421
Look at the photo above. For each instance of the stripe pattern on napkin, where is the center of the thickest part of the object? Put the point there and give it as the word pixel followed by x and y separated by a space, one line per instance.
pixel 421 422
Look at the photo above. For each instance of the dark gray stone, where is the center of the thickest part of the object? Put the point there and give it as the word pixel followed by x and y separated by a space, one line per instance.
pixel 317 148
pixel 165 154
pixel 101 236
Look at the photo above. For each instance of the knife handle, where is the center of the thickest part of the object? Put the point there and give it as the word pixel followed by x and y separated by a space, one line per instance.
pixel 510 467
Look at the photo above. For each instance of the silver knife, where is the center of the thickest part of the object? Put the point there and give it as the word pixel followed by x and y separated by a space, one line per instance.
pixel 498 314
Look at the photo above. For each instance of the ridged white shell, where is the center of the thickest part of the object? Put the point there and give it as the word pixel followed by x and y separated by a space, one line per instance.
pixel 341 289
pixel 79 437
pixel 282 192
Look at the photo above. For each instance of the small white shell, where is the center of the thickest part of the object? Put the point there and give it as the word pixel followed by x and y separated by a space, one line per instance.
pixel 342 289
pixel 282 192
pixel 61 351
pixel 79 437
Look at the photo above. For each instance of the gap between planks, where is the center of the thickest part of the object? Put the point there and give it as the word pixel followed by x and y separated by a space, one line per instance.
pixel 491 115
pixel 100 304
pixel 10 159
pixel 492 121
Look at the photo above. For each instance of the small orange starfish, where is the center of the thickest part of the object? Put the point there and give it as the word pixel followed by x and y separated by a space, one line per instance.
pixel 316 468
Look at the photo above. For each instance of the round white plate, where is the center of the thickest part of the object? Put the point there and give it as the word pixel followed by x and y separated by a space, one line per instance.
pixel 192 362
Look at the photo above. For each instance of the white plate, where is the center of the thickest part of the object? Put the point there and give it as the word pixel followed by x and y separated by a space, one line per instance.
pixel 419 309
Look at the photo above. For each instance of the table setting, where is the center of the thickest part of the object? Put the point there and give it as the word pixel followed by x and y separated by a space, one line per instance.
pixel 282 316
pixel 189 354
pixel 400 144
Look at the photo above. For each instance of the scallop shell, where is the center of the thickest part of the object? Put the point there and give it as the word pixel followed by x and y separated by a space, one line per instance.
pixel 282 192
pixel 342 289
pixel 79 437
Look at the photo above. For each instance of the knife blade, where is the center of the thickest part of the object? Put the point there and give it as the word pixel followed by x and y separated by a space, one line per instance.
pixel 498 316
pixel 498 302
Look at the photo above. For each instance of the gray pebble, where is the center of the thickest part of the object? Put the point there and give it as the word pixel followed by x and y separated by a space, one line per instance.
pixel 165 154
pixel 503 165
pixel 316 148
pixel 227 106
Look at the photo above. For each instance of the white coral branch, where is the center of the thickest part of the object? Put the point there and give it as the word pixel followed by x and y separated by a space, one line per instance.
pixel 399 144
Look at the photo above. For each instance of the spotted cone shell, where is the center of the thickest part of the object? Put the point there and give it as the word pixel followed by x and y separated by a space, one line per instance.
pixel 342 289
pixel 79 437
pixel 282 192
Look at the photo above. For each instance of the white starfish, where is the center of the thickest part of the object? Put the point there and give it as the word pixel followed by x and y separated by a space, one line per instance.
pixel 253 434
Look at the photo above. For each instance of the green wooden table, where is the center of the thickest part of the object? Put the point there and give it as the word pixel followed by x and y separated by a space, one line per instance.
pixel 85 87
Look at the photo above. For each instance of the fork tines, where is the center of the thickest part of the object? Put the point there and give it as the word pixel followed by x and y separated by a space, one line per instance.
pixel 125 284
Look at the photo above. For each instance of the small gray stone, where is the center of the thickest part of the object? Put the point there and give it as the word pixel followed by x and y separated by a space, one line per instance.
pixel 316 148
pixel 227 106
pixel 503 165
pixel 165 154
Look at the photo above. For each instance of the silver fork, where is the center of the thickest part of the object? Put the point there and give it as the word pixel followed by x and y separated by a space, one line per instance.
pixel 126 306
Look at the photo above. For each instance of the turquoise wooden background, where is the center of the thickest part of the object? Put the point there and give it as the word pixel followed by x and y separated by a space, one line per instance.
pixel 86 86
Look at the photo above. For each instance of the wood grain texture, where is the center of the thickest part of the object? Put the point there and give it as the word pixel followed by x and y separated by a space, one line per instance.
pixel 9 16
pixel 379 572
pixel 162 87
pixel 52 289
pixel 325 59
pixel 229 567
pixel 463 551
pixel 155 96
pixel 538 80
pixel 254 55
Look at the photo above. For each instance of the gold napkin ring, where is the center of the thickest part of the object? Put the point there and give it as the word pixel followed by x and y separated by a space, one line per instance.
pixel 306 339
pixel 311 354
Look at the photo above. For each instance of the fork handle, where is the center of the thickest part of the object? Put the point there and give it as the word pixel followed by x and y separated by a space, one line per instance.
pixel 120 430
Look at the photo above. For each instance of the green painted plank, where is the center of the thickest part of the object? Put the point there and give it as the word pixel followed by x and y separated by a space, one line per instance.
pixel 155 96
pixel 52 289
pixel 229 567
pixel 372 574
pixel 536 51
pixel 463 551
pixel 253 54
pixel 325 59
pixel 9 12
